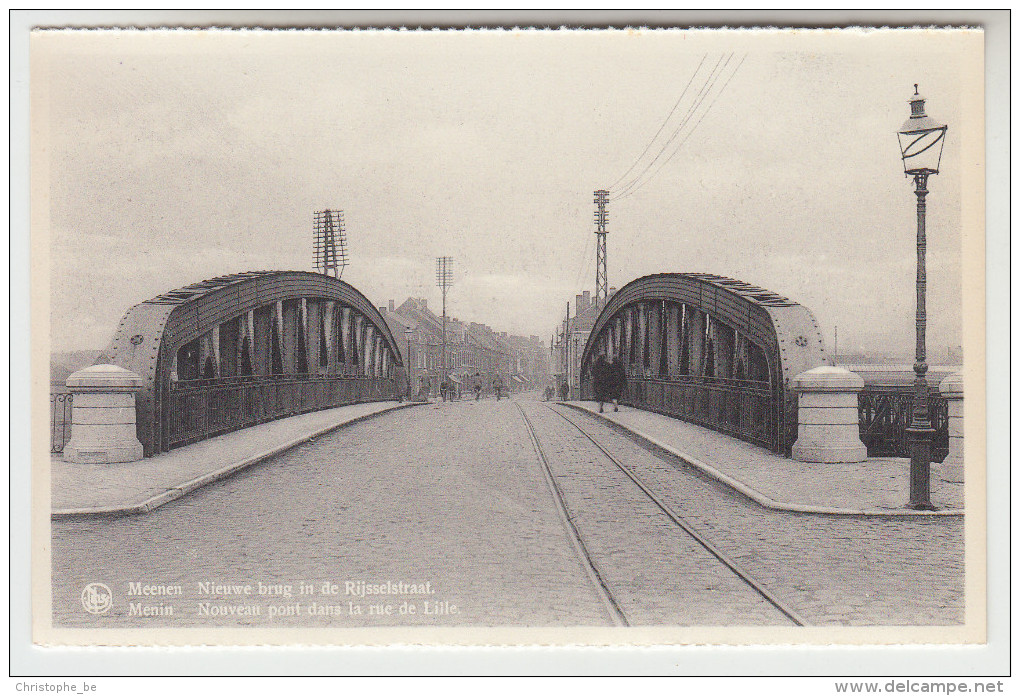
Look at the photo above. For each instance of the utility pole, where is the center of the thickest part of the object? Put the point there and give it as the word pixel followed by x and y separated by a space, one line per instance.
pixel 601 218
pixel 566 347
pixel 444 279
pixel 330 242
pixel 552 353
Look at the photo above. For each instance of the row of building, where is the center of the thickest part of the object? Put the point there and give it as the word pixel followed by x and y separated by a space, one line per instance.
pixel 570 338
pixel 475 354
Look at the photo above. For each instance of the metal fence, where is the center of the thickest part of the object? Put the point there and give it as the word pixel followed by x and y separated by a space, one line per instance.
pixel 60 419
pixel 203 408
pixel 884 414
pixel 737 407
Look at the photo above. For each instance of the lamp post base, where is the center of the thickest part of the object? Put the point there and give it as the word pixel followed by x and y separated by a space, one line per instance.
pixel 920 468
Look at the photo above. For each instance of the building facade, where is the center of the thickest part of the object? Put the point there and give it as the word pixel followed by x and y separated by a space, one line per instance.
pixel 475 353
pixel 570 339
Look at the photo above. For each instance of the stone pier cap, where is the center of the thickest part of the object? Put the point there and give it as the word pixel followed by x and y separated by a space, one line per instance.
pixel 952 386
pixel 828 379
pixel 952 391
pixel 103 418
pixel 104 378
pixel 827 428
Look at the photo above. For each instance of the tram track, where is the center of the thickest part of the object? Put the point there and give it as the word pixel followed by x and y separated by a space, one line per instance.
pixel 597 571
pixel 595 575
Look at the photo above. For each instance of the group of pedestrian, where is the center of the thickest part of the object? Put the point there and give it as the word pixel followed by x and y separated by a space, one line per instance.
pixel 559 391
pixel 447 390
pixel 608 380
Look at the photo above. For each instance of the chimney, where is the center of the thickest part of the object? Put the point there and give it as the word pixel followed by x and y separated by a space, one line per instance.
pixel 587 299
pixel 578 304
pixel 392 306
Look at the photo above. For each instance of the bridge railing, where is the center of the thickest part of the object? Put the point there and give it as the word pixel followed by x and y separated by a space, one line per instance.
pixel 203 408
pixel 884 414
pixel 737 407
pixel 60 417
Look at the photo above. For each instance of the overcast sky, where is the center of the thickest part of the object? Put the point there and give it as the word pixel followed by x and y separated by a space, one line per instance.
pixel 177 158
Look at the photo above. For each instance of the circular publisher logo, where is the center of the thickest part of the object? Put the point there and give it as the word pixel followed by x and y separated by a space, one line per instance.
pixel 96 598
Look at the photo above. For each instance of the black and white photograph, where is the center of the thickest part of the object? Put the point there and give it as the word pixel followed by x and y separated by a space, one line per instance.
pixel 505 337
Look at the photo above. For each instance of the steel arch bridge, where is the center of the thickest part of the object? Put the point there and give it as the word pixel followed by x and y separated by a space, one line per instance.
pixel 242 349
pixel 711 350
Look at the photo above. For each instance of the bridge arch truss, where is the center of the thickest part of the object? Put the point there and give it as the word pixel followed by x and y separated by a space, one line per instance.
pixel 241 349
pixel 710 350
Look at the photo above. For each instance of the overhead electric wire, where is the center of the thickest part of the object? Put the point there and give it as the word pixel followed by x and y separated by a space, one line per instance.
pixel 695 105
pixel 589 265
pixel 689 133
pixel 703 93
pixel 705 113
pixel 634 186
pixel 588 248
pixel 696 102
pixel 658 132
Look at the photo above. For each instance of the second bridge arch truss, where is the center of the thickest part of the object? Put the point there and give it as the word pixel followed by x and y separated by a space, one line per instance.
pixel 711 350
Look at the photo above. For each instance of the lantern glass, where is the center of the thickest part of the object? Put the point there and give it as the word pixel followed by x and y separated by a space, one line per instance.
pixel 921 150
pixel 921 139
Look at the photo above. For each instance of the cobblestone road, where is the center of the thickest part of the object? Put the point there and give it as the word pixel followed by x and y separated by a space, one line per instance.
pixel 833 570
pixel 449 500
pixel 449 494
pixel 655 571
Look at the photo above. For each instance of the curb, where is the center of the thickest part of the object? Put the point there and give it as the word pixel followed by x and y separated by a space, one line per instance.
pixel 150 504
pixel 759 497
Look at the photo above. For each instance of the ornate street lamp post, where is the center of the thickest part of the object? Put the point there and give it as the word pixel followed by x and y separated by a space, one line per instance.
pixel 921 140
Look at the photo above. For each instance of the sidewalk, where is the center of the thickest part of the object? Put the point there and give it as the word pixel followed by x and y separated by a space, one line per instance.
pixel 878 486
pixel 86 490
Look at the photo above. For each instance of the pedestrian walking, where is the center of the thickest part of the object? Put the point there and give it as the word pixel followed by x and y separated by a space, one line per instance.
pixel 617 382
pixel 564 390
pixel 497 386
pixel 478 386
pixel 401 383
pixel 600 378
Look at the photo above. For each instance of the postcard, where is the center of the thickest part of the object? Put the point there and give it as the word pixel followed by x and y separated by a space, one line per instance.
pixel 508 337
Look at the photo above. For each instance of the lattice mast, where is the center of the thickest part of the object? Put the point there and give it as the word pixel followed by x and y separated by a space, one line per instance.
pixel 601 218
pixel 330 241
pixel 444 279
